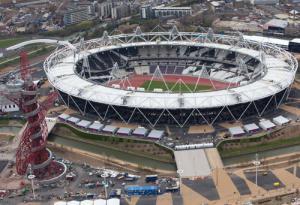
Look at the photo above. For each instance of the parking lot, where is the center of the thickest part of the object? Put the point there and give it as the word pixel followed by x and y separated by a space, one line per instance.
pixel 265 179
pixel 84 182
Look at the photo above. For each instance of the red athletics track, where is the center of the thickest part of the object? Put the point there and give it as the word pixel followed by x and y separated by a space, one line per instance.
pixel 138 80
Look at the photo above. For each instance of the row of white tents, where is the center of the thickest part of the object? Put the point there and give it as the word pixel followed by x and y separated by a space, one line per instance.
pixel 111 129
pixel 112 201
pixel 263 124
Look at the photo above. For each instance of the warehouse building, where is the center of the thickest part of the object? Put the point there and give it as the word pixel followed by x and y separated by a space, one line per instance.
pixel 162 11
pixel 7 105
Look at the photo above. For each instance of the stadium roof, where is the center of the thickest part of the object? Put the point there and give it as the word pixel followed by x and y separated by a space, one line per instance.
pixel 60 203
pixel 262 39
pixel 73 202
pixel 87 202
pixel 280 74
pixel 296 40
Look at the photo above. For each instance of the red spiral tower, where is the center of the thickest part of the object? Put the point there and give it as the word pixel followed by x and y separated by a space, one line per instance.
pixel 32 147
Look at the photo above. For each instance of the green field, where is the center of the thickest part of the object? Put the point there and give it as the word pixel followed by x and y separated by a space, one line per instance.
pixel 4 43
pixel 179 87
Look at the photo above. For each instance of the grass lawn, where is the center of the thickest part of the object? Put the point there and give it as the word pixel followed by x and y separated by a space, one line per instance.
pixel 12 122
pixel 4 43
pixel 149 86
pixel 136 147
pixel 4 62
pixel 259 147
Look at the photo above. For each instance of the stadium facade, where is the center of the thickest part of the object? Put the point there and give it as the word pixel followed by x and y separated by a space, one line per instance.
pixel 106 77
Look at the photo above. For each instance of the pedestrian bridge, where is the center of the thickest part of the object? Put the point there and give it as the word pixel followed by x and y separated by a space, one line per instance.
pixel 197 162
pixel 51 122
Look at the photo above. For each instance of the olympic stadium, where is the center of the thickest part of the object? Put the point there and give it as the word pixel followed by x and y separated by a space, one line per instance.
pixel 171 77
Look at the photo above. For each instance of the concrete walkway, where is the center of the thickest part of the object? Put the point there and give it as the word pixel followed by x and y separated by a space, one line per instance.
pixel 253 188
pixel 214 158
pixel 287 178
pixel 164 199
pixel 190 197
pixel 224 185
pixel 51 122
pixel 193 163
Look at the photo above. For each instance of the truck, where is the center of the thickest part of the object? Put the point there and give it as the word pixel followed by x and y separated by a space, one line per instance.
pixel 151 178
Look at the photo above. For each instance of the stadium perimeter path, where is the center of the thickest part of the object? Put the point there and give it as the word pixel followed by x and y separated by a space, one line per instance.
pixel 133 200
pixel 287 178
pixel 190 197
pixel 290 109
pixel 223 182
pixel 253 188
pixel 214 158
pixel 224 185
pixel 164 199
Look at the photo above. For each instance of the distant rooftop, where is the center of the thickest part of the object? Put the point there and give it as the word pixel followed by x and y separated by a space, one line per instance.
pixel 162 7
pixel 277 23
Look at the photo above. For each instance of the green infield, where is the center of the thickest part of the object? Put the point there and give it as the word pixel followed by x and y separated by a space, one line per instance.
pixel 4 43
pixel 175 87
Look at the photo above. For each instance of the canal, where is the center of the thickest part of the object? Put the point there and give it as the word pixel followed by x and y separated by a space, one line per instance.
pixel 10 129
pixel 264 154
pixel 140 160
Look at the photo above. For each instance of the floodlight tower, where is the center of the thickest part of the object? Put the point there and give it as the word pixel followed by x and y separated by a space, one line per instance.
pixel 32 146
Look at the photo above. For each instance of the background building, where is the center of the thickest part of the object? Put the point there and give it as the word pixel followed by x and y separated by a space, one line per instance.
pixel 146 12
pixel 7 105
pixel 104 9
pixel 275 26
pixel 264 2
pixel 77 15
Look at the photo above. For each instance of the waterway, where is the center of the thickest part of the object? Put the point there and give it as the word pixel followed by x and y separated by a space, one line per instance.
pixel 264 154
pixel 158 164
pixel 146 162
pixel 10 129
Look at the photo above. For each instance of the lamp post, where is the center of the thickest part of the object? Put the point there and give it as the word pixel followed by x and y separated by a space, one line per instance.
pixel 180 172
pixel 31 177
pixel 256 163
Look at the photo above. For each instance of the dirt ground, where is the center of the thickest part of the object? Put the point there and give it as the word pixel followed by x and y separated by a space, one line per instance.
pixel 201 129
pixel 120 124
pixel 229 125
pixel 291 109
pixel 95 160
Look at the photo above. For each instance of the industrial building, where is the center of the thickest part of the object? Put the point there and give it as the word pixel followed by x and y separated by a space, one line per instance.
pixel 275 26
pixel 77 15
pixel 7 106
pixel 162 11
pixel 147 11
pixel 264 2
